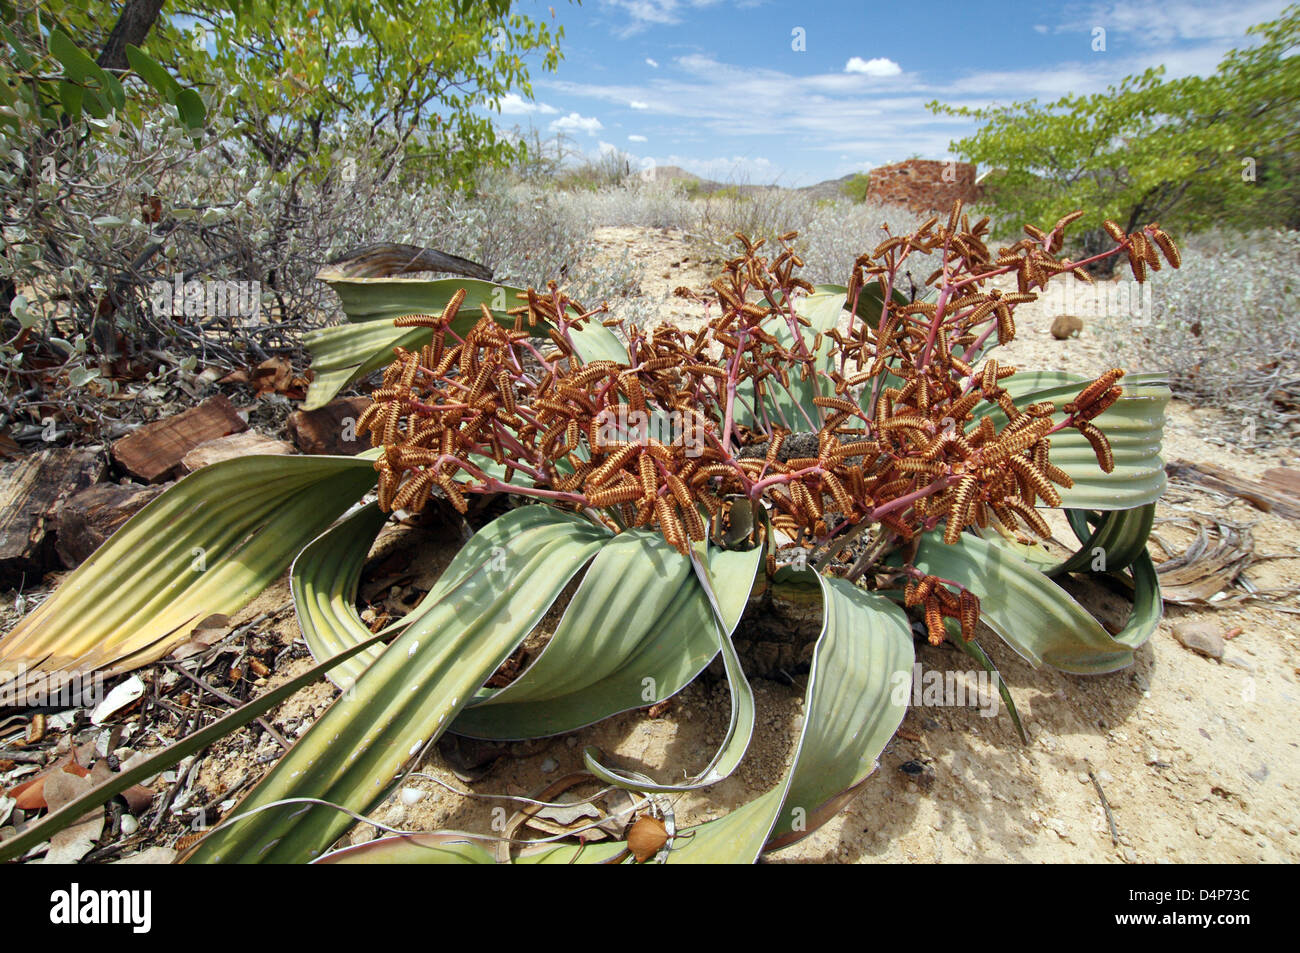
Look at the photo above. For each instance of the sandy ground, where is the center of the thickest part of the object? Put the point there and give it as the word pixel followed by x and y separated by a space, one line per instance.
pixel 1196 758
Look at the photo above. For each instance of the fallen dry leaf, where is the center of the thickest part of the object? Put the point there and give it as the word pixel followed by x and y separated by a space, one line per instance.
pixel 30 795
pixel 647 838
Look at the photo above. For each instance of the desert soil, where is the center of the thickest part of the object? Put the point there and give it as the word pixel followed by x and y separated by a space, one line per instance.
pixel 1197 758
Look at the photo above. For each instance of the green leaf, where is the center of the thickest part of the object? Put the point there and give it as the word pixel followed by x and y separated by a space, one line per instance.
pixel 77 66
pixel 21 54
pixel 1033 615
pixel 855 700
pixel 70 94
pixel 153 73
pixel 610 654
pixel 343 354
pixel 206 545
pixel 403 702
pixel 324 581
pixel 1134 424
pixel 190 106
pixel 727 606
pixel 1119 538
pixel 975 651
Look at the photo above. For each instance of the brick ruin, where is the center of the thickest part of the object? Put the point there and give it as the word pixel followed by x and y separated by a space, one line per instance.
pixel 924 185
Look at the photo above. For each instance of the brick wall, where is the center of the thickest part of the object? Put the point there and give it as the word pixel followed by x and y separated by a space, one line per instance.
pixel 919 184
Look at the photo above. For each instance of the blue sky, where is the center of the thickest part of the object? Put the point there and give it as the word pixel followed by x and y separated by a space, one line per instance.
pixel 719 88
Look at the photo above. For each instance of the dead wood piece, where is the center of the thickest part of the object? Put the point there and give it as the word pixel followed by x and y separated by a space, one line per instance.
pixel 96 513
pixel 231 446
pixel 1275 496
pixel 384 259
pixel 32 491
pixel 154 451
pixel 329 429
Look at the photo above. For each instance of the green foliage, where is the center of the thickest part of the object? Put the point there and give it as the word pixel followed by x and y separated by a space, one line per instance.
pixel 418 69
pixel 1184 151
pixel 295 70
pixel 49 79
pixel 856 188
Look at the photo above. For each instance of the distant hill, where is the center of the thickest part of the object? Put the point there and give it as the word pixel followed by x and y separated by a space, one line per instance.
pixel 831 188
pixel 697 185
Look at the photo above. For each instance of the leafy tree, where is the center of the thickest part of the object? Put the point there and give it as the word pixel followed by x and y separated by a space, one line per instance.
pixel 1185 151
pixel 290 72
pixel 415 69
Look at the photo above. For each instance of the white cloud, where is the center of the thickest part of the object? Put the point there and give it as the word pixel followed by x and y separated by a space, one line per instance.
pixel 1152 22
pixel 650 62
pixel 512 104
pixel 643 14
pixel 576 123
pixel 635 138
pixel 1040 28
pixel 637 104
pixel 874 67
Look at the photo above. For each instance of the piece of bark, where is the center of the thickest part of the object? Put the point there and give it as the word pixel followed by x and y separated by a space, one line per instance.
pixel 154 451
pixel 384 259
pixel 1283 480
pixel 96 513
pixel 330 429
pixel 32 490
pixel 1272 496
pixel 231 446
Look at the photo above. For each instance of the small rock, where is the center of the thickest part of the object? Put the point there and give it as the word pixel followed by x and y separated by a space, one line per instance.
pixel 411 796
pixel 549 765
pixel 1201 637
pixel 1065 326
pixel 1130 855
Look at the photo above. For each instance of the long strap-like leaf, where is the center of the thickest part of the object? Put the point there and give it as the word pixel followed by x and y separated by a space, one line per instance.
pixel 412 692
pixel 208 544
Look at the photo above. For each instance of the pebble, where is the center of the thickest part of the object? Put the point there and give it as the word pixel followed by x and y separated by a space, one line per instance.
pixel 1130 855
pixel 1237 660
pixel 412 796
pixel 129 824
pixel 549 765
pixel 1201 637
